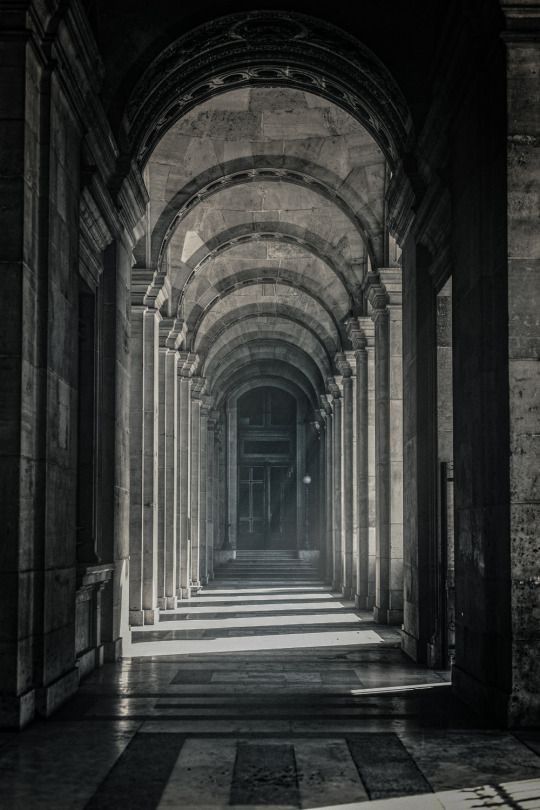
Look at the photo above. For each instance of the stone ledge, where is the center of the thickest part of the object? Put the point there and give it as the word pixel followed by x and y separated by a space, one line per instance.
pixel 17 711
pixel 409 645
pixel 49 698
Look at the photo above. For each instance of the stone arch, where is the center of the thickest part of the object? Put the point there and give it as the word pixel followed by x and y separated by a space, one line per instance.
pixel 258 354
pixel 292 50
pixel 271 168
pixel 329 290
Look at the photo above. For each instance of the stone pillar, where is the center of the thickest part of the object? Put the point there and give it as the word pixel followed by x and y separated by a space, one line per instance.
pixel 160 572
pixel 186 365
pixel 197 385
pixel 347 476
pixel 169 501
pixel 337 578
pixel 144 466
pixel 211 499
pixel 523 184
pixel 359 343
pixel 384 294
pixel 221 490
pixel 203 491
pixel 329 490
pixel 232 475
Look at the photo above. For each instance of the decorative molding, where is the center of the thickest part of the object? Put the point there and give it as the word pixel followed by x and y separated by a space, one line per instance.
pixel 342 365
pixel 333 388
pixel 262 48
pixel 188 362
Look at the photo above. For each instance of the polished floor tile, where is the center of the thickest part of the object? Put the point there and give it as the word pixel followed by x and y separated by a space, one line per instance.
pixel 258 695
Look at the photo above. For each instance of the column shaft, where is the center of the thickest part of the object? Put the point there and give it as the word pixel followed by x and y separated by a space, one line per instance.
pixel 184 487
pixel 337 466
pixel 203 484
pixel 171 479
pixel 347 486
pixel 144 467
pixel 195 488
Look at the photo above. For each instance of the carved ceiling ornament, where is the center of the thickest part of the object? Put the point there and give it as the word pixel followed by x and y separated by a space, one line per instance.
pixel 273 49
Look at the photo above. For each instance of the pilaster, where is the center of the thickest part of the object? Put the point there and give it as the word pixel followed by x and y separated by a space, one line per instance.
pixel 187 364
pixel 144 465
pixel 347 443
pixel 337 462
pixel 383 290
pixel 197 386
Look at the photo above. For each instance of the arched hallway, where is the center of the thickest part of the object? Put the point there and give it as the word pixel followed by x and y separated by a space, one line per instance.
pixel 270 381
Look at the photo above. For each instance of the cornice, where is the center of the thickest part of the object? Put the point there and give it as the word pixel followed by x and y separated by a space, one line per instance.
pixel 342 365
pixel 188 362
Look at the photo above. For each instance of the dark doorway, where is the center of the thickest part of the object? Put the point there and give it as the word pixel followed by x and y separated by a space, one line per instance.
pixel 267 500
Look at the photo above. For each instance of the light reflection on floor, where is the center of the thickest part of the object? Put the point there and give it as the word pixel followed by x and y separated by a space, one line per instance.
pixel 214 613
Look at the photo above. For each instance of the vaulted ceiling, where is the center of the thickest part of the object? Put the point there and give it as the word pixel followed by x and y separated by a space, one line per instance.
pixel 266 210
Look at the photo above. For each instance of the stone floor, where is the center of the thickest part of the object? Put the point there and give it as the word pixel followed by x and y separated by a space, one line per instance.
pixel 266 695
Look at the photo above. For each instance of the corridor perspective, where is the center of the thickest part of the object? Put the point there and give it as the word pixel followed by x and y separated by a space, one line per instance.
pixel 269 413
pixel 271 694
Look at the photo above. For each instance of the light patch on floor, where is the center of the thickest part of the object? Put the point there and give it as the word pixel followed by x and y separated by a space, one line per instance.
pixel 286 641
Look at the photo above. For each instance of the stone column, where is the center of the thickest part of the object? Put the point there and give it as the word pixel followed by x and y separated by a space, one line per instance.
pixel 169 502
pixel 203 490
pixel 186 365
pixel 329 489
pixel 211 504
pixel 232 475
pixel 347 440
pixel 160 574
pixel 197 385
pixel 144 465
pixel 337 578
pixel 384 294
pixel 359 343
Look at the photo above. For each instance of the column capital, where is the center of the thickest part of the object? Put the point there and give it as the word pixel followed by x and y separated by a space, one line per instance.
pixel 383 289
pixel 187 364
pixel 326 404
pixel 342 364
pixel 365 323
pixel 206 403
pixel 356 334
pixel 197 387
pixel 333 388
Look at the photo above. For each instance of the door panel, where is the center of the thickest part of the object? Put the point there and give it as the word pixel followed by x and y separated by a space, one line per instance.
pixel 266 507
pixel 251 506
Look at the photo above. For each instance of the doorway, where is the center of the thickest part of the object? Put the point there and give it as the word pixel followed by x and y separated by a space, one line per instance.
pixel 267 481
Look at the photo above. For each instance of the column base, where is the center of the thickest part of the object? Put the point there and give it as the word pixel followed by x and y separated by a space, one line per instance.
pixel 380 615
pixel 195 586
pixel 336 586
pixel 137 618
pixel 186 593
pixel 162 602
pixel 362 602
pixel 113 650
pixel 49 698
pixel 16 711
pixel 151 616
pixel 409 645
pixel 394 617
pixel 90 660
pixel 348 593
pixel 170 603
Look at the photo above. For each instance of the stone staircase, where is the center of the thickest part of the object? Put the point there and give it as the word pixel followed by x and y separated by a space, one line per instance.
pixel 269 565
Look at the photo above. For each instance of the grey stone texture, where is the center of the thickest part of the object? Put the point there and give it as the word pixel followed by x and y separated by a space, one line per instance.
pixel 372 250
